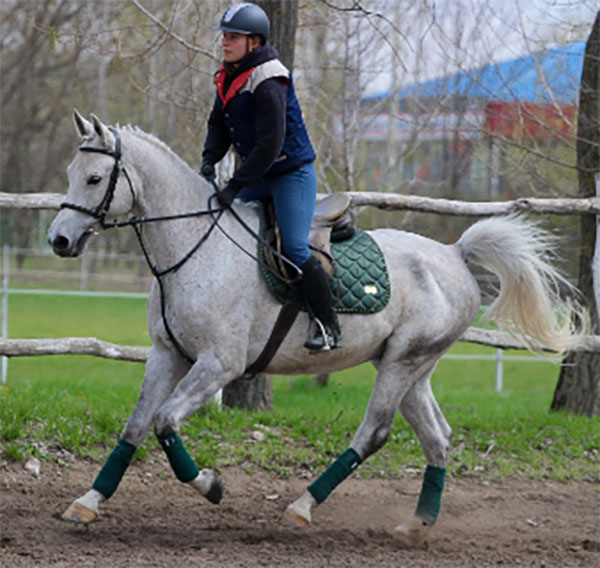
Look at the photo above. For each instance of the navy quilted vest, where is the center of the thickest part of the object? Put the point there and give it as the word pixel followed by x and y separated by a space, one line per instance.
pixel 239 117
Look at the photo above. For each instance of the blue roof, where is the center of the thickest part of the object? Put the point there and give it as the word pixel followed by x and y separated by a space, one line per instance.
pixel 552 75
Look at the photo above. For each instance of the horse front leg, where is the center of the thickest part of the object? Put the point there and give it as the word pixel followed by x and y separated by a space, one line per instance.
pixel 164 368
pixel 423 414
pixel 392 383
pixel 209 375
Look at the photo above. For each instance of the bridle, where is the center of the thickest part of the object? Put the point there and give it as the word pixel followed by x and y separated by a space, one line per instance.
pixel 101 211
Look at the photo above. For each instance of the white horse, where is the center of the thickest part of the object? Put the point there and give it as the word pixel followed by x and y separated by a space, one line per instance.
pixel 218 313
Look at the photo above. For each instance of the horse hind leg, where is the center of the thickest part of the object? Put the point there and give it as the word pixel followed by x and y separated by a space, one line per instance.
pixel 393 381
pixel 423 414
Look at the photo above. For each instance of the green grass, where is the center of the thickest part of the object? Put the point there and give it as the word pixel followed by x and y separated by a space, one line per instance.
pixel 77 404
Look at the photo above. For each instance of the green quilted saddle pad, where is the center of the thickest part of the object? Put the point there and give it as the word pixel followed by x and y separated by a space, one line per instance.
pixel 360 284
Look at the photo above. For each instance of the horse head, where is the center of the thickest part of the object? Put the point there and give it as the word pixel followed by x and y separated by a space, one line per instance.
pixel 96 188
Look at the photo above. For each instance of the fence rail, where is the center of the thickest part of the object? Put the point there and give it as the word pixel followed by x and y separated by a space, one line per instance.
pixel 390 201
pixel 94 346
pixel 384 201
pixel 387 201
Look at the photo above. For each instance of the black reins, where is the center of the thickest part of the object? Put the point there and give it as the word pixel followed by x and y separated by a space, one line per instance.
pixel 101 211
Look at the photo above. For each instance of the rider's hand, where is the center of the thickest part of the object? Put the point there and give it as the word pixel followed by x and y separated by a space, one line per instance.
pixel 226 196
pixel 207 171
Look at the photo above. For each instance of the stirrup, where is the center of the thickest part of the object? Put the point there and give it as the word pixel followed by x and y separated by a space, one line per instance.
pixel 323 340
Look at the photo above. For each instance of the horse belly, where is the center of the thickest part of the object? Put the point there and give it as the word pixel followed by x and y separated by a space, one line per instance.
pixel 363 339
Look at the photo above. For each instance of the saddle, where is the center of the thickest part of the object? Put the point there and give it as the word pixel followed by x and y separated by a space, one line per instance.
pixel 359 278
pixel 331 223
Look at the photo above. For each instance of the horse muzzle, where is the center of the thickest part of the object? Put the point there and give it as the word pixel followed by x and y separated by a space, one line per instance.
pixel 69 232
pixel 66 247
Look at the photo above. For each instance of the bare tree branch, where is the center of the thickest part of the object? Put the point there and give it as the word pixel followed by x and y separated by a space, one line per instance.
pixel 168 30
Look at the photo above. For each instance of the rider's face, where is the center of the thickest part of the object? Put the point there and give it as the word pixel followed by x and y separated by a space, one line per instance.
pixel 235 46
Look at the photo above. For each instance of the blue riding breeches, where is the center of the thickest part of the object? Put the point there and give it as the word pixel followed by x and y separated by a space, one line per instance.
pixel 294 196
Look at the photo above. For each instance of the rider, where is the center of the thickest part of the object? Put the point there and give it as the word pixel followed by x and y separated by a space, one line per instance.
pixel 257 111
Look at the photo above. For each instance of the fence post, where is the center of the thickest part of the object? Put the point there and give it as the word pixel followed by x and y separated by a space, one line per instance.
pixel 499 369
pixel 83 275
pixel 596 259
pixel 5 267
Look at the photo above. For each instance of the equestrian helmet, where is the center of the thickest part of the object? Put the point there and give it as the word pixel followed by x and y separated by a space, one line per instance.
pixel 245 18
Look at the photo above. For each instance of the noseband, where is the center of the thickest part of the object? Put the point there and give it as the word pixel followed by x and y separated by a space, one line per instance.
pixel 102 209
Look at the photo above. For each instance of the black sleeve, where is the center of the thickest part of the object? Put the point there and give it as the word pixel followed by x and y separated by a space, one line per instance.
pixel 217 139
pixel 269 105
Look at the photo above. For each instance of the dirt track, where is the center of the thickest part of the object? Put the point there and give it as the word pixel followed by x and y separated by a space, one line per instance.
pixel 153 521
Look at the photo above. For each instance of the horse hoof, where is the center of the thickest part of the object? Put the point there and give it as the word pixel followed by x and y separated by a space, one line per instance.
pixel 78 513
pixel 298 513
pixel 295 517
pixel 413 534
pixel 208 485
pixel 215 493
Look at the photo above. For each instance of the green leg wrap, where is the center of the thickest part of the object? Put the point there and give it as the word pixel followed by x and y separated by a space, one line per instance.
pixel 341 468
pixel 183 465
pixel 430 499
pixel 112 471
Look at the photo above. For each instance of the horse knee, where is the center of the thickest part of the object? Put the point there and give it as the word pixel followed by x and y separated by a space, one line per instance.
pixel 164 424
pixel 380 436
pixel 437 448
pixel 375 440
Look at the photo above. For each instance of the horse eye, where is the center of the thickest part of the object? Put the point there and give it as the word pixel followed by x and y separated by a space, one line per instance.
pixel 93 180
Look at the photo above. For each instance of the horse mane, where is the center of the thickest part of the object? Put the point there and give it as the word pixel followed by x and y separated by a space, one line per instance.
pixel 156 142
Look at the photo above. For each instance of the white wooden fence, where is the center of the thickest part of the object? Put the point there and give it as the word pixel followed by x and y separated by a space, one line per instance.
pixel 386 201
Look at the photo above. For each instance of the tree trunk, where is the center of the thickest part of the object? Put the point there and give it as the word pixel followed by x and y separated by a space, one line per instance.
pixel 321 380
pixel 249 394
pixel 578 388
pixel 257 393
pixel 283 15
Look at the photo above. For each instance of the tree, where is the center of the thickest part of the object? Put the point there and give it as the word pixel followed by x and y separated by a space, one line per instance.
pixel 38 57
pixel 578 388
pixel 283 14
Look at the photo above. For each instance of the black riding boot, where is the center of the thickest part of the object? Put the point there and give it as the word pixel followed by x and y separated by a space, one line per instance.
pixel 314 287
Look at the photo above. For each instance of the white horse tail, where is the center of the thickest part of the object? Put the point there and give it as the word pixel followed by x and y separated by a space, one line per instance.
pixel 529 305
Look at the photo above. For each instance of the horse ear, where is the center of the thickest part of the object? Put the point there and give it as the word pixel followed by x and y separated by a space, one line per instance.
pixel 83 127
pixel 106 136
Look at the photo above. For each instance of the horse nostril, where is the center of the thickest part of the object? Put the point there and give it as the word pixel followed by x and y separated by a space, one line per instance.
pixel 60 243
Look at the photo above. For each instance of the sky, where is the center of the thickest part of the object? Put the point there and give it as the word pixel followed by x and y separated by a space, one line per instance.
pixel 451 35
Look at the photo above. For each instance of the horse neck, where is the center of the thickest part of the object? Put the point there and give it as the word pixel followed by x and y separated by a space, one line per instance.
pixel 165 186
pixel 168 184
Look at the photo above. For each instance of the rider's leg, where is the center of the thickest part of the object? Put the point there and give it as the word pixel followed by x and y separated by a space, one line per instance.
pixel 294 197
pixel 314 287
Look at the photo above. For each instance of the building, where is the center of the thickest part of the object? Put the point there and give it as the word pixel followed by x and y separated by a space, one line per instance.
pixel 484 133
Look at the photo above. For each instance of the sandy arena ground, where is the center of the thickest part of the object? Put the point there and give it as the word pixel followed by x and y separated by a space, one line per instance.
pixel 153 520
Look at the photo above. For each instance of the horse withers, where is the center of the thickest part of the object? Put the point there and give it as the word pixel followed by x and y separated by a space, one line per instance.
pixel 210 313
